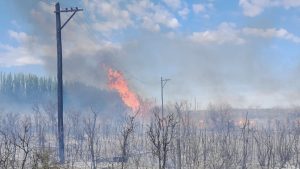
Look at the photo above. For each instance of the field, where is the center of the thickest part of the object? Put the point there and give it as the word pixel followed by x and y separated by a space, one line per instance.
pixel 179 140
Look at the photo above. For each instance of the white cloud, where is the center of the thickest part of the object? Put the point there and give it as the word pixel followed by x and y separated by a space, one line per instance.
pixel 184 12
pixel 198 8
pixel 150 25
pixel 290 3
pixel 206 16
pixel 174 4
pixel 28 60
pixel 15 24
pixel 173 23
pixel 152 16
pixel 253 8
pixel 225 33
pixel 229 33
pixel 17 56
pixel 19 36
pixel 108 16
pixel 272 33
pixel 22 53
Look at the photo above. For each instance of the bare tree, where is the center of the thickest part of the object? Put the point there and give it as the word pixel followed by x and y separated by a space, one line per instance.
pixel 89 127
pixel 75 135
pixel 24 137
pixel 296 134
pixel 9 130
pixel 6 149
pixel 245 142
pixel 284 146
pixel 219 116
pixel 178 108
pixel 50 111
pixel 128 129
pixel 161 133
pixel 40 126
pixel 264 147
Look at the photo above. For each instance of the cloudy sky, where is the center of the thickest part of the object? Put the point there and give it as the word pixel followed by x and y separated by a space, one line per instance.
pixel 243 52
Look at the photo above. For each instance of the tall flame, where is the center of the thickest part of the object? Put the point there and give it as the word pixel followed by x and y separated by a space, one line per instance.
pixel 117 82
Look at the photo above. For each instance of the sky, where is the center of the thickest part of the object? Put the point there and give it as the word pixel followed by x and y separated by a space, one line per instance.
pixel 241 52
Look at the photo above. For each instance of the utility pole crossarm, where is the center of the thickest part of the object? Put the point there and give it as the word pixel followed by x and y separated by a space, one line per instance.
pixel 165 81
pixel 71 10
pixel 68 20
pixel 74 10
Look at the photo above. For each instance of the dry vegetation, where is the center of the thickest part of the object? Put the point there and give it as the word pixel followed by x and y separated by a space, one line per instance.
pixel 176 141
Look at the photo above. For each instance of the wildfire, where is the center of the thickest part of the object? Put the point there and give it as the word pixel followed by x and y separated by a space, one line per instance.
pixel 117 82
pixel 242 122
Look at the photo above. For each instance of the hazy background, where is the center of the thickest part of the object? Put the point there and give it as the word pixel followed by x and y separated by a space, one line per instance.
pixel 242 52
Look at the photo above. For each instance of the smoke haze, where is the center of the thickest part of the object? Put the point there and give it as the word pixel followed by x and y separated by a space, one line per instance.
pixel 226 64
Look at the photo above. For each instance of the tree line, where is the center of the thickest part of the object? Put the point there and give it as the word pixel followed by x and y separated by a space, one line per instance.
pixel 25 90
pixel 22 87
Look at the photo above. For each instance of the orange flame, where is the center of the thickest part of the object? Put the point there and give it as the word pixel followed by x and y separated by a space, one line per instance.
pixel 117 82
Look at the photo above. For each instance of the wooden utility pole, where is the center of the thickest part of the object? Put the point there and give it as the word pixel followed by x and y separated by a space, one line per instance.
pixel 61 144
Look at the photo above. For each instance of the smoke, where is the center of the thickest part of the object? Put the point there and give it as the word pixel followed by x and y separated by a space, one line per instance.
pixel 83 53
pixel 215 72
pixel 239 72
